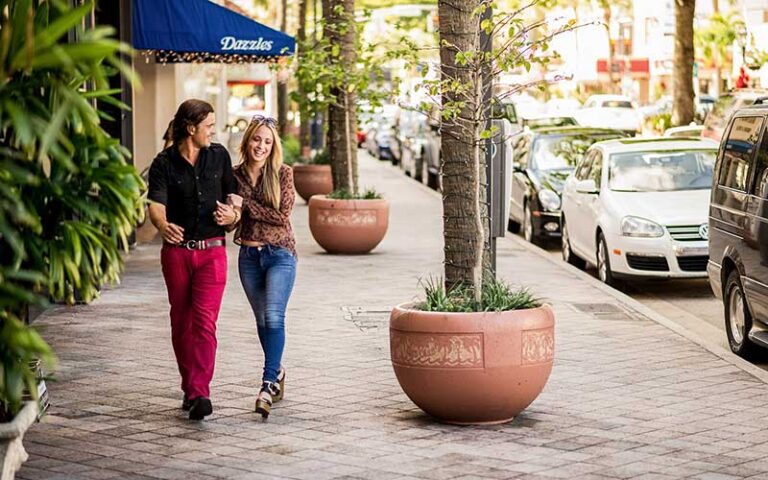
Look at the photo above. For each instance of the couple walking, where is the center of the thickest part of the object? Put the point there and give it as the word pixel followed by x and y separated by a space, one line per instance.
pixel 196 196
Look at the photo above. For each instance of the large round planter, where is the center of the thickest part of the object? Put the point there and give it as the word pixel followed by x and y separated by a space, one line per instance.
pixel 472 368
pixel 312 180
pixel 348 226
pixel 12 453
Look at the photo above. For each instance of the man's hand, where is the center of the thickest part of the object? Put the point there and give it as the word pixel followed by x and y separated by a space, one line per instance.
pixel 172 233
pixel 224 214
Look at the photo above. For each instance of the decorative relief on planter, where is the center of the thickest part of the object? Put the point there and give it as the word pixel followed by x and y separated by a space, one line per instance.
pixel 538 346
pixel 348 217
pixel 437 350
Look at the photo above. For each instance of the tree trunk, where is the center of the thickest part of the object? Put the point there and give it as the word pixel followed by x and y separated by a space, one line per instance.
pixel 716 58
pixel 463 226
pixel 304 126
pixel 682 95
pixel 342 121
pixel 282 86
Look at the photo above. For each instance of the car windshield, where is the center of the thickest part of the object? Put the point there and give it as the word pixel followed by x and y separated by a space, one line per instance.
pixel 563 152
pixel 534 123
pixel 661 171
pixel 617 104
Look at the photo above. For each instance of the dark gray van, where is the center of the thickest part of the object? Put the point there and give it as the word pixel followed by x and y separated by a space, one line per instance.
pixel 738 228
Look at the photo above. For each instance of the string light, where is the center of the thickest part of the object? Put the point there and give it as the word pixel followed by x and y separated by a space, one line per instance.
pixel 169 56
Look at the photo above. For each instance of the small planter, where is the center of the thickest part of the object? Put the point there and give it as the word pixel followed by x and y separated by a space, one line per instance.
pixel 312 180
pixel 472 368
pixel 348 226
pixel 12 453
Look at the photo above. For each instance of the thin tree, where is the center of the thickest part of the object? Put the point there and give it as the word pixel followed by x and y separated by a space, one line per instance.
pixel 304 126
pixel 282 86
pixel 682 95
pixel 342 119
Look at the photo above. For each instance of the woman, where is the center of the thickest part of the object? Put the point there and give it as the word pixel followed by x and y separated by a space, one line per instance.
pixel 267 261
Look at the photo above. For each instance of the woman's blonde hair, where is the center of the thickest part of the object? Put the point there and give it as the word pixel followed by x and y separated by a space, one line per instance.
pixel 271 181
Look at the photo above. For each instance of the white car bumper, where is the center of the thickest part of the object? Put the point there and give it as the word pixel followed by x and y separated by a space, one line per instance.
pixel 660 257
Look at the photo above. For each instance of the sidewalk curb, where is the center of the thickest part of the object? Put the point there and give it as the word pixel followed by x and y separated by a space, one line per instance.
pixel 635 305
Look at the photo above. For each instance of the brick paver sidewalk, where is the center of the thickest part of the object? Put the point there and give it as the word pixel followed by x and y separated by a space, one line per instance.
pixel 628 397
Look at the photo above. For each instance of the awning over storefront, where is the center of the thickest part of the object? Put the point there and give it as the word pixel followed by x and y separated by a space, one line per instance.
pixel 201 31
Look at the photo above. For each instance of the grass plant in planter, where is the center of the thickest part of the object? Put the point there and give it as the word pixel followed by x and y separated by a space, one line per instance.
pixel 465 361
pixel 314 177
pixel 345 223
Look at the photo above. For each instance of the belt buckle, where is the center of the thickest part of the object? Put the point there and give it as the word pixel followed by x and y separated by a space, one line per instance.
pixel 191 244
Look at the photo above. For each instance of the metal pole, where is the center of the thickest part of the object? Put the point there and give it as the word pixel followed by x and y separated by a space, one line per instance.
pixel 486 44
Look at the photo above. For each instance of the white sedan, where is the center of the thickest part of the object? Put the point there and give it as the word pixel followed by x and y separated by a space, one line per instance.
pixel 610 111
pixel 638 208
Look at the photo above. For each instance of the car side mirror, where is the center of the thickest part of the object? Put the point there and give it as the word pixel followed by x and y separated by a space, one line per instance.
pixel 435 127
pixel 587 186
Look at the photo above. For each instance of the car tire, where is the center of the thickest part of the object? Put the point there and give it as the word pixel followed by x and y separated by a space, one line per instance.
pixel 604 272
pixel 738 320
pixel 565 244
pixel 528 231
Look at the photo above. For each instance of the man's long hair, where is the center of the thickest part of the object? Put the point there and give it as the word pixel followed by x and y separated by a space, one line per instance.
pixel 189 114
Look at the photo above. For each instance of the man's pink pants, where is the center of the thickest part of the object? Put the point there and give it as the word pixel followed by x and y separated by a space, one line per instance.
pixel 195 280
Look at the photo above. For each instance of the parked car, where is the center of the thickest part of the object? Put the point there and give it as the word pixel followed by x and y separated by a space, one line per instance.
pixel 411 136
pixel 541 160
pixel 637 208
pixel 379 139
pixel 726 104
pixel 684 131
pixel 738 229
pixel 610 111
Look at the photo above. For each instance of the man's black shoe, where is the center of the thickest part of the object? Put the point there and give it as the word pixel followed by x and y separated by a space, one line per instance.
pixel 186 404
pixel 201 408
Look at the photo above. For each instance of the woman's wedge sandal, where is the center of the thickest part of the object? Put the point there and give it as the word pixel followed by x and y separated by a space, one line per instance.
pixel 269 391
pixel 281 383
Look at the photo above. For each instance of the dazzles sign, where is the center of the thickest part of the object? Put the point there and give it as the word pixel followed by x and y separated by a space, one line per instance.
pixel 232 43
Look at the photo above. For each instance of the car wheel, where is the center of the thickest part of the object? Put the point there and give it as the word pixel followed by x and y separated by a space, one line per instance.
pixel 604 272
pixel 738 321
pixel 528 225
pixel 568 254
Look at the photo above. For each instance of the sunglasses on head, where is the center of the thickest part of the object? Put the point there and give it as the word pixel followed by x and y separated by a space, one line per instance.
pixel 264 120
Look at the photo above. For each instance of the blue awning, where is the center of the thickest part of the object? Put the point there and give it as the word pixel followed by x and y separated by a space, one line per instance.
pixel 201 31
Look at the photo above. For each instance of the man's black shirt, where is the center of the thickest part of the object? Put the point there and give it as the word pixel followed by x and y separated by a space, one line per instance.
pixel 190 193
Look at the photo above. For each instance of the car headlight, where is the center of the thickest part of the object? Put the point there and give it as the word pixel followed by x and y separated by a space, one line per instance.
pixel 549 200
pixel 640 227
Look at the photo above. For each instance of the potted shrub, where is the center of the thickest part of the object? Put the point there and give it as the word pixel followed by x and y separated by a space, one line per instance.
pixel 68 198
pixel 348 224
pixel 475 351
pixel 469 362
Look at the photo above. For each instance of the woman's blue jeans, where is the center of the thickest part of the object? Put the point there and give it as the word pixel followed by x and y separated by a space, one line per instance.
pixel 267 274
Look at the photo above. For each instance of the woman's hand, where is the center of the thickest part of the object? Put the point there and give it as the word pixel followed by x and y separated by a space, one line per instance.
pixel 224 214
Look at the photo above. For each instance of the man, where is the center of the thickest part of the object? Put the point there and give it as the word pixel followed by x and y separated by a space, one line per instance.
pixel 189 183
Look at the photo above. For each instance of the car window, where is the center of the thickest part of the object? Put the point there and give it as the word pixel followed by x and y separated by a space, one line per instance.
pixel 760 187
pixel 661 170
pixel 563 151
pixel 617 104
pixel 596 171
pixel 738 151
pixel 583 169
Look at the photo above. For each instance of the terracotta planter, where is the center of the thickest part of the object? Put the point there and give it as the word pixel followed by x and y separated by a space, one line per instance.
pixel 312 180
pixel 472 368
pixel 348 226
pixel 12 453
